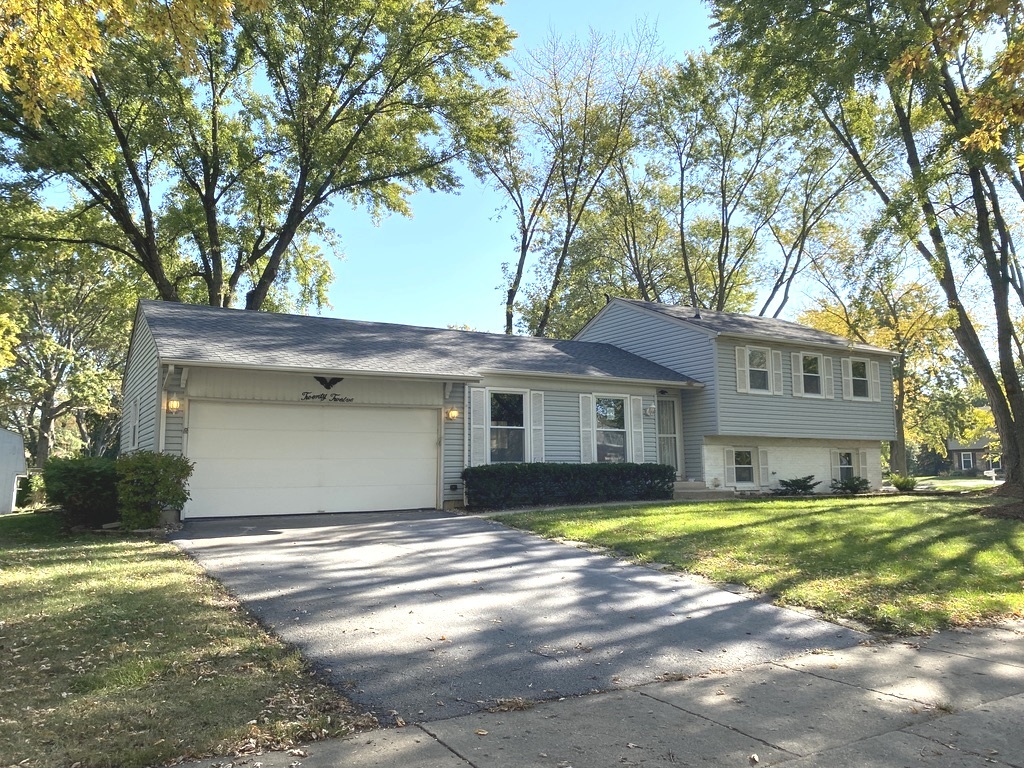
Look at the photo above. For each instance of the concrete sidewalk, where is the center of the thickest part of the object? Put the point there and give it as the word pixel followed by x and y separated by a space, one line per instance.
pixel 953 699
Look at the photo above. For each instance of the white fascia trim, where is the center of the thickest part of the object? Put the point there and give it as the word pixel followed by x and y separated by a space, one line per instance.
pixel 465 378
pixel 592 378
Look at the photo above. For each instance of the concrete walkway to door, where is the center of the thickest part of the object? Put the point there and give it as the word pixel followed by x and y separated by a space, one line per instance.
pixel 427 616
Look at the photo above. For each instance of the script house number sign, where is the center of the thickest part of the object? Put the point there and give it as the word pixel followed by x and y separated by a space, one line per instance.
pixel 327 397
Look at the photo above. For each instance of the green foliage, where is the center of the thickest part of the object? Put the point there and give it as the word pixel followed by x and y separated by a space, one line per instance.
pixel 903 483
pixel 147 482
pixel 294 106
pixel 851 485
pixel 31 491
pixel 502 486
pixel 85 488
pixel 798 486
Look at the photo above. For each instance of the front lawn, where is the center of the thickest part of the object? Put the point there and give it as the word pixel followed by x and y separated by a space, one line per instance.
pixel 120 652
pixel 901 564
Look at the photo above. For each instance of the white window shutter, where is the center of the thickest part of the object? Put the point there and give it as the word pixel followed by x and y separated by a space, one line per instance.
pixel 835 465
pixel 730 466
pixel 537 426
pixel 862 463
pixel 798 374
pixel 874 381
pixel 777 372
pixel 762 463
pixel 742 370
pixel 828 380
pixel 847 379
pixel 636 424
pixel 586 429
pixel 478 447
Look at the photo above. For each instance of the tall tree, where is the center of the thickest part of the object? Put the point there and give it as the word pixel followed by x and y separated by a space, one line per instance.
pixel 757 182
pixel 895 89
pixel 74 310
pixel 214 179
pixel 576 105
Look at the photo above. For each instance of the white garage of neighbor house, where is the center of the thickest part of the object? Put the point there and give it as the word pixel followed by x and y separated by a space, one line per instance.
pixel 12 466
pixel 286 414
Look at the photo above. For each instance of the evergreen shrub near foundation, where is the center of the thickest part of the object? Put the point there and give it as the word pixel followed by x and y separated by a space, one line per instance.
pixel 502 486
pixel 147 482
pixel 85 488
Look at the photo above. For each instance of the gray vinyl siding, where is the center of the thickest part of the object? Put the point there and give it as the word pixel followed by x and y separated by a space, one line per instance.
pixel 174 423
pixel 816 417
pixel 453 447
pixel 562 427
pixel 669 343
pixel 142 381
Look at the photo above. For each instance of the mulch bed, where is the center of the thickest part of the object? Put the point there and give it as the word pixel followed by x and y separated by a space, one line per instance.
pixel 1013 510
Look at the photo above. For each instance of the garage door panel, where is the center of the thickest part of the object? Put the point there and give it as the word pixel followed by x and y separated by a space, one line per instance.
pixel 267 459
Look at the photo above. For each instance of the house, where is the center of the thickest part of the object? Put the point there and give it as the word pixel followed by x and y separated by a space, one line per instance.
pixel 286 414
pixel 12 466
pixel 780 400
pixel 973 457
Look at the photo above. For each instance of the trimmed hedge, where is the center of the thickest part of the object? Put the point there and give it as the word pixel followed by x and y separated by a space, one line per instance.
pixel 501 486
pixel 85 488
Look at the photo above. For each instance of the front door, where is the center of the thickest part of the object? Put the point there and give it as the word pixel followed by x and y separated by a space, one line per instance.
pixel 668 434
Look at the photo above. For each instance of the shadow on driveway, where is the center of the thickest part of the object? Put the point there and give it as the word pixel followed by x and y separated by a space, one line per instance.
pixel 429 615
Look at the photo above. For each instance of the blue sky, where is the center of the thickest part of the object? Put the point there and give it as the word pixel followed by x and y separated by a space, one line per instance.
pixel 443 265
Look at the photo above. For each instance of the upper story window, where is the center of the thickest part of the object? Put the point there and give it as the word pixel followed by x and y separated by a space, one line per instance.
pixel 859 379
pixel 812 375
pixel 758 370
pixel 610 429
pixel 811 366
pixel 507 427
pixel 758 366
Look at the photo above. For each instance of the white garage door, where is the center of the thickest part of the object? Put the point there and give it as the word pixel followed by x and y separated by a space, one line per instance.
pixel 261 459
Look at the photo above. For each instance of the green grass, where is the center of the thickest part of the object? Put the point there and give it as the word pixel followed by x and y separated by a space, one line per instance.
pixel 943 483
pixel 120 652
pixel 901 564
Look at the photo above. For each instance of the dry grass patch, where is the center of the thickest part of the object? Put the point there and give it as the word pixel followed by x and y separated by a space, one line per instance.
pixel 121 652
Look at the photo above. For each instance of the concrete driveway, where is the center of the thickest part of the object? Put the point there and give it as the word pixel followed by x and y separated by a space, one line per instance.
pixel 427 616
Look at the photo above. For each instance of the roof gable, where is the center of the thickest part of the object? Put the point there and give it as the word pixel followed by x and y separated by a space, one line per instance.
pixel 201 335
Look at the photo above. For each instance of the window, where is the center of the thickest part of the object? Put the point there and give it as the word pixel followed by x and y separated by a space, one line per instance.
pixel 845 465
pixel 811 367
pixel 610 429
pixel 995 463
pixel 859 378
pixel 507 427
pixel 743 463
pixel 758 368
pixel 966 460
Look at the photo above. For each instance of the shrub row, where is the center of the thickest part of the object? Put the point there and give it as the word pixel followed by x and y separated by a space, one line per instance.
pixel 501 486
pixel 133 488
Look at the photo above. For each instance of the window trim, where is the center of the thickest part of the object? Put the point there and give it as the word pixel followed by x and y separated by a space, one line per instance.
pixel 526 428
pixel 730 469
pixel 627 426
pixel 970 456
pixel 996 463
pixel 820 374
pixel 769 373
pixel 867 379
pixel 773 359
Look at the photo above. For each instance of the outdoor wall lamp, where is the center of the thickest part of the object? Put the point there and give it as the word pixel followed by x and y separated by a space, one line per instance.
pixel 452 414
pixel 173 404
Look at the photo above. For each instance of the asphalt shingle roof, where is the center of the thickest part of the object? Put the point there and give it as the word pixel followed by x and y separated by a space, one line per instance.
pixel 733 324
pixel 189 333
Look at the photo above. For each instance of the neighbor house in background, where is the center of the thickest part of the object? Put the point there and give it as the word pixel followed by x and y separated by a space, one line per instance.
pixel 12 466
pixel 287 414
pixel 973 457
